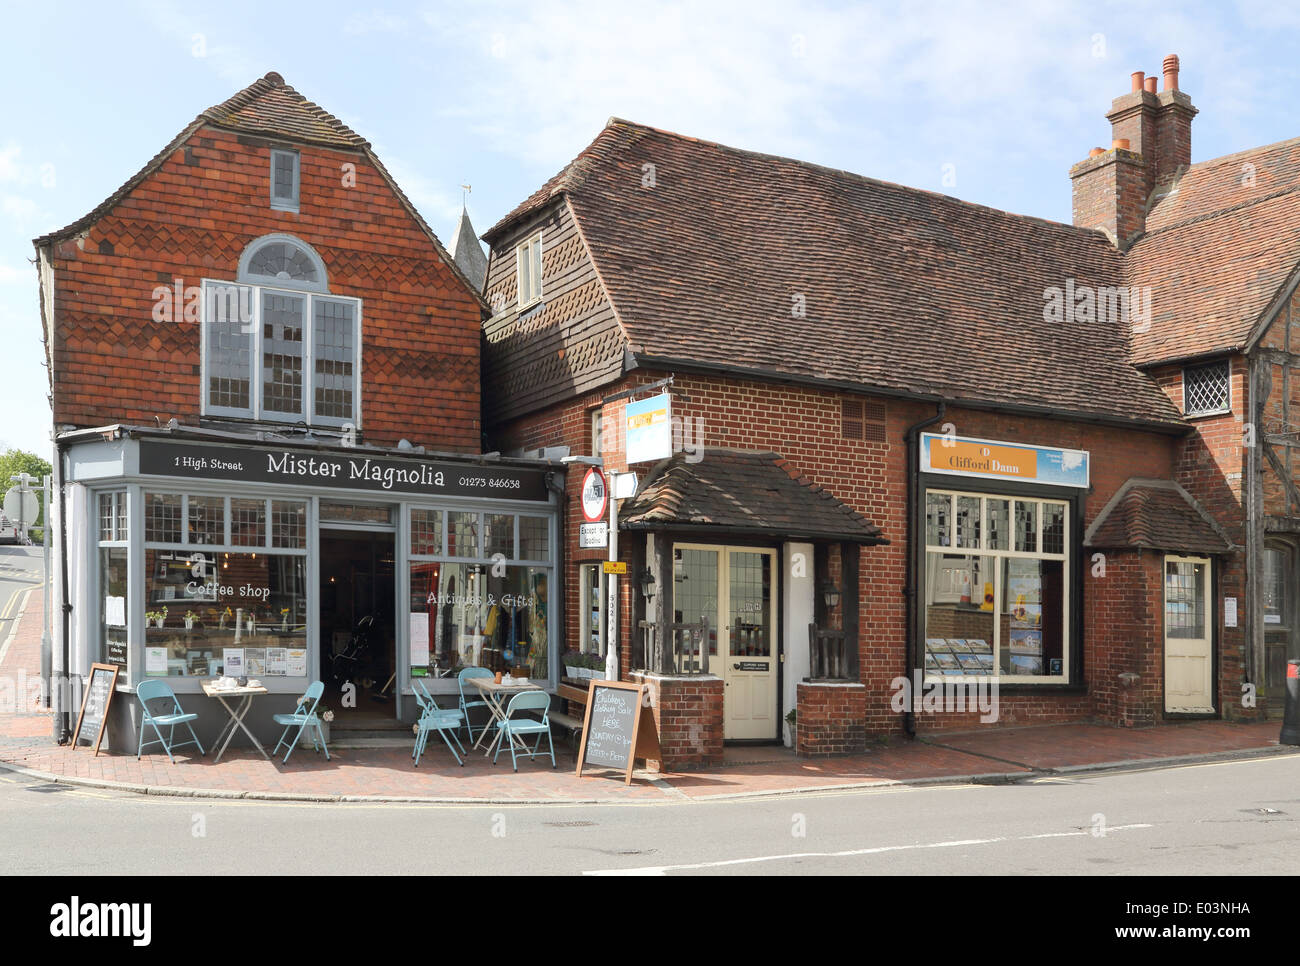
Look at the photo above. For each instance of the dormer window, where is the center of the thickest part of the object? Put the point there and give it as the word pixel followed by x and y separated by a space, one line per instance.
pixel 276 345
pixel 528 262
pixel 1206 389
pixel 284 179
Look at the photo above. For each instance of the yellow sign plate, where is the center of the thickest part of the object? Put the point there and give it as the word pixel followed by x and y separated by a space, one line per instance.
pixel 615 567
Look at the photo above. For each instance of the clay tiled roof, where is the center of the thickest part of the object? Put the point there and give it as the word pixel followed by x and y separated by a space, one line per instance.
pixel 743 491
pixel 1216 251
pixel 1156 515
pixel 773 267
pixel 271 107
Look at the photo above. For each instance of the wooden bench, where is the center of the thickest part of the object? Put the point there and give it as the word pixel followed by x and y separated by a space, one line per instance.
pixel 577 695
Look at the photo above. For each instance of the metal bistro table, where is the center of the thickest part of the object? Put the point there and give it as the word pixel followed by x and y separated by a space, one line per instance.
pixel 236 715
pixel 495 695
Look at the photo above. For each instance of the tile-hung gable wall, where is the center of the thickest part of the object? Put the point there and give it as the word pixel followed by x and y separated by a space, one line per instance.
pixel 525 356
pixel 803 425
pixel 191 219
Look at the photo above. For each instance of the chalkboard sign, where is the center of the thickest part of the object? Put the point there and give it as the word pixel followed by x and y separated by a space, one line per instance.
pixel 609 730
pixel 94 703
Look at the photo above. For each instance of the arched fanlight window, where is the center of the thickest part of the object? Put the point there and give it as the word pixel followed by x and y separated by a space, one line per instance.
pixel 285 262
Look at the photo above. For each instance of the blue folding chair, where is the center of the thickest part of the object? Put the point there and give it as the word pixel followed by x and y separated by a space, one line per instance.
pixel 461 678
pixel 512 726
pixel 303 719
pixel 434 718
pixel 171 716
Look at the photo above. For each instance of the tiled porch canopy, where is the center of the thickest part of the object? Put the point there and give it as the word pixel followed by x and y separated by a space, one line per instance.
pixel 754 493
pixel 1156 515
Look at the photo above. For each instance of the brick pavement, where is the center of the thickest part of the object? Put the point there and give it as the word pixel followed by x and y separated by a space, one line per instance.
pixel 387 772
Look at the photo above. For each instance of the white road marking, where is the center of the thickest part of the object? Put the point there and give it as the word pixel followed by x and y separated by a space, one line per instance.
pixel 13 627
pixel 662 869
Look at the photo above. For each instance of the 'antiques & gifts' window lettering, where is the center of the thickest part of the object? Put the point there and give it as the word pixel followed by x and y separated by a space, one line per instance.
pixel 997 574
pixel 276 346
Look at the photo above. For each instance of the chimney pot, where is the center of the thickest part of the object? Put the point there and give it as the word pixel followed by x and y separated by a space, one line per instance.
pixel 1096 151
pixel 1151 84
pixel 1121 144
pixel 1137 80
pixel 1171 72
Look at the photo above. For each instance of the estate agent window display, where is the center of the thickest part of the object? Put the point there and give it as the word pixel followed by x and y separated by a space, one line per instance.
pixel 996 580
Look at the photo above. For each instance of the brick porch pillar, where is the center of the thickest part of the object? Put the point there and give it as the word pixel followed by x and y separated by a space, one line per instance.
pixel 688 716
pixel 831 719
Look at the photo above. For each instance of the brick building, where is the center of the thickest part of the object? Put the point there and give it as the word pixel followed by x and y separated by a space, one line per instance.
pixel 1062 452
pixel 264 372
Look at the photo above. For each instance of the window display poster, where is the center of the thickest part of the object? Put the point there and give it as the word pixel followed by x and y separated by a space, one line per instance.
pixel 233 660
pixel 277 661
pixel 1026 642
pixel 1026 664
pixel 979 646
pixel 155 660
pixel 419 625
pixel 254 661
pixel 297 662
pixel 115 611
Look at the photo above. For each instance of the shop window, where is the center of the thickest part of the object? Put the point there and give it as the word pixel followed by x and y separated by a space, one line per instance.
pixel 591 635
pixel 113 516
pixel 1273 587
pixel 211 611
pixel 1000 607
pixel 499 535
pixel 247 522
pixel 207 519
pixel 208 614
pixel 112 559
pixel 462 535
pixel 1206 389
pixel 288 524
pixel 597 429
pixel 465 615
pixel 162 517
pixel 277 346
pixel 534 538
pixel 426 532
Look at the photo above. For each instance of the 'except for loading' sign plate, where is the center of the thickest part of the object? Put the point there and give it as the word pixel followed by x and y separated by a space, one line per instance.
pixel 593 535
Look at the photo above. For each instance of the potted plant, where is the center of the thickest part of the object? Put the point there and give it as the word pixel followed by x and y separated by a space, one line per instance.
pixel 326 716
pixel 284 618
pixel 593 666
pixel 190 618
pixel 225 614
pixel 790 720
pixel 572 663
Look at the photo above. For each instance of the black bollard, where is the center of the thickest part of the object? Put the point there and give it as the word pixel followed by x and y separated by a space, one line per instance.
pixel 1291 717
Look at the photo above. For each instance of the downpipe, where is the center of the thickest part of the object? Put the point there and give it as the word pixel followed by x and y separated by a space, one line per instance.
pixel 915 551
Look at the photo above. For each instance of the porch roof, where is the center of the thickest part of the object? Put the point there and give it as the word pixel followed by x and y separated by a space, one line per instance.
pixel 1156 515
pixel 755 493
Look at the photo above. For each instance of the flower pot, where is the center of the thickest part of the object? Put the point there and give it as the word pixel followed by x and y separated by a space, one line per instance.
pixel 189 623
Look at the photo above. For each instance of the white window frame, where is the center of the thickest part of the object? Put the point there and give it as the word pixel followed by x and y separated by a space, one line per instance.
pixel 256 410
pixel 585 608
pixel 524 251
pixel 1227 407
pixel 285 204
pixel 1066 557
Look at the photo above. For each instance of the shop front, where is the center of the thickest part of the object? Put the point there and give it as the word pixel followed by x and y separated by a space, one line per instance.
pixel 193 555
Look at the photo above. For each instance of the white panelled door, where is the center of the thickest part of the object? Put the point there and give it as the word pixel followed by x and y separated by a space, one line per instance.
pixel 1189 625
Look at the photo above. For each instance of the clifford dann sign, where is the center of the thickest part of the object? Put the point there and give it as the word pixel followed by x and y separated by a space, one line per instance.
pixel 359 472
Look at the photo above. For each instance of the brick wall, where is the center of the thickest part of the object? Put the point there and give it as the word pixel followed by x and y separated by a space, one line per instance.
pixel 831 720
pixel 192 219
pixel 688 717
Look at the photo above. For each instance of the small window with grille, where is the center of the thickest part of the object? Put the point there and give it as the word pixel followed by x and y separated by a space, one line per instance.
pixel 1206 389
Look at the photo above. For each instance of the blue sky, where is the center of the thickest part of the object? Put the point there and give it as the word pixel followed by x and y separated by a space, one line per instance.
pixel 1000 98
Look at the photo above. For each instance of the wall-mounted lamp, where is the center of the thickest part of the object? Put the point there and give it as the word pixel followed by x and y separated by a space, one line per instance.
pixel 648 586
pixel 830 593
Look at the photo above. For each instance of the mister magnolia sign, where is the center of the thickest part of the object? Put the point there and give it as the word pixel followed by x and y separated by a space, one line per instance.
pixel 202 461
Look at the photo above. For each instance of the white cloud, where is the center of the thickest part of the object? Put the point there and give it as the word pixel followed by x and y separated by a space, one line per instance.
pixel 373 22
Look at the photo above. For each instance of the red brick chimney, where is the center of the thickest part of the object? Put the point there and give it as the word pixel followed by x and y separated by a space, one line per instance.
pixel 1113 190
